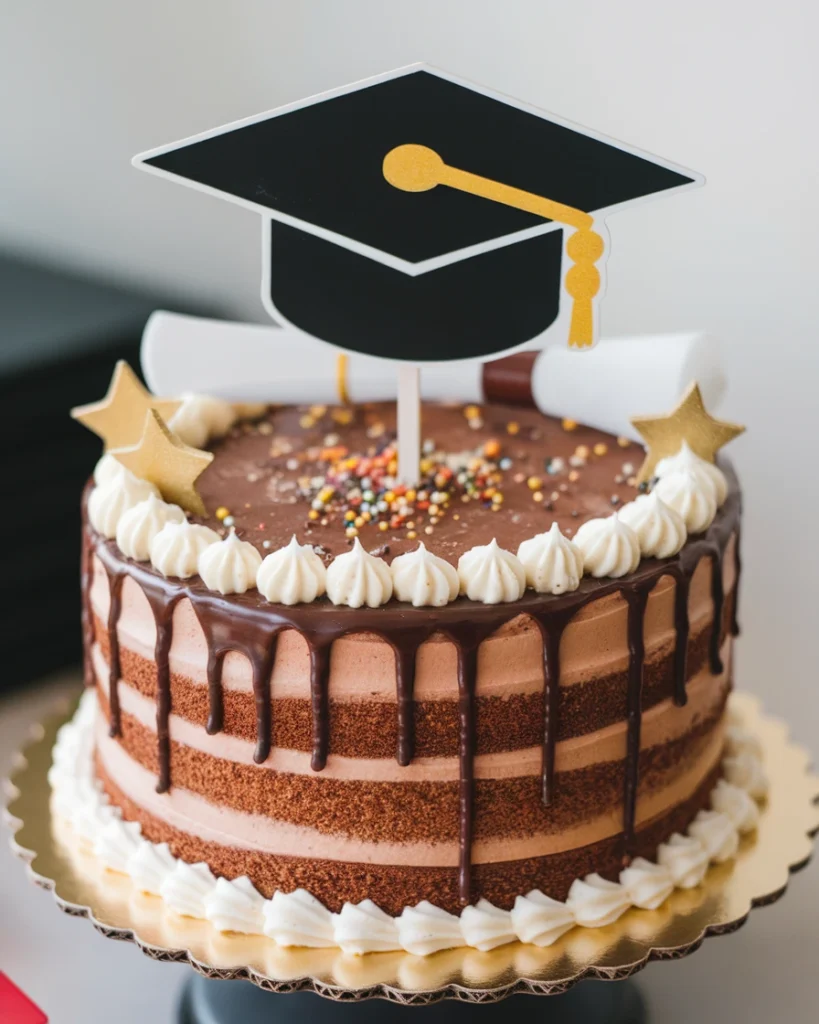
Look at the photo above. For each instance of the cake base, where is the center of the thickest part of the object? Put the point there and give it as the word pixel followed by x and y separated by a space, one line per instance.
pixel 758 876
pixel 207 1001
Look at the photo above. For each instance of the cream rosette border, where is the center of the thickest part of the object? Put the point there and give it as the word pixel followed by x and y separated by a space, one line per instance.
pixel 59 860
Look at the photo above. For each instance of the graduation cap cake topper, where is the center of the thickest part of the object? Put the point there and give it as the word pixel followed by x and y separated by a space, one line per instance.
pixel 418 218
pixel 415 217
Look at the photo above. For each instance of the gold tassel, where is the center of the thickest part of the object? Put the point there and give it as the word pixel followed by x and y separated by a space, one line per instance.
pixel 415 168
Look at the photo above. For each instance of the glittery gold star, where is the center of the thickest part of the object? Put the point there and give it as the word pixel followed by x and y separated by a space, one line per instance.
pixel 119 418
pixel 164 460
pixel 690 422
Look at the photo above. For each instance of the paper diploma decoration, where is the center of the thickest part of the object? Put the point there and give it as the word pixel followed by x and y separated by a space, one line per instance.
pixel 417 218
pixel 273 364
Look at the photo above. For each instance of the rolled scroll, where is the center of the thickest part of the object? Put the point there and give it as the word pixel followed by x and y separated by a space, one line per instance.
pixel 602 387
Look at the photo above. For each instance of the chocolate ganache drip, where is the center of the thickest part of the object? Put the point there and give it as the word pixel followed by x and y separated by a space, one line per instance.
pixel 115 580
pixel 250 626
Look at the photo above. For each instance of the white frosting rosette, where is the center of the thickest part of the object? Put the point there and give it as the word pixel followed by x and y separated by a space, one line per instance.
pixel 230 567
pixel 298 919
pixel 660 529
pixel 539 919
pixel 610 547
pixel 187 887
pixel 235 906
pixel 139 525
pixel 108 468
pixel 292 575
pixel 423 579
pixel 491 575
pixel 688 460
pixel 109 501
pixel 202 418
pixel 692 495
pixel 426 929
pixel 358 578
pixel 365 928
pixel 552 563
pixel 176 549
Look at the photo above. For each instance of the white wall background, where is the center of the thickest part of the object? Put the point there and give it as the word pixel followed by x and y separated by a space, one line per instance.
pixel 728 87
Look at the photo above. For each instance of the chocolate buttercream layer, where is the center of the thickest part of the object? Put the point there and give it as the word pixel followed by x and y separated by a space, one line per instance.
pixel 425 811
pixel 394 887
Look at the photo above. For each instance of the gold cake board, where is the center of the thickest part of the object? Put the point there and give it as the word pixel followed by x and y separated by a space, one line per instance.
pixel 758 876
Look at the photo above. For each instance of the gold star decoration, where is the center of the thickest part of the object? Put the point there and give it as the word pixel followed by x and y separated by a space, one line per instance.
pixel 690 422
pixel 164 460
pixel 119 418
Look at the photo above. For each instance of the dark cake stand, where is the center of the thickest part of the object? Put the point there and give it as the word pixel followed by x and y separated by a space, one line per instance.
pixel 223 1002
pixel 383 986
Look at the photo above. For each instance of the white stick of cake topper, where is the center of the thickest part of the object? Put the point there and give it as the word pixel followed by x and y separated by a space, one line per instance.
pixel 602 387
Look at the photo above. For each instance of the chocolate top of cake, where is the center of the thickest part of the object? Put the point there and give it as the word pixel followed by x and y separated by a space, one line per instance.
pixel 494 472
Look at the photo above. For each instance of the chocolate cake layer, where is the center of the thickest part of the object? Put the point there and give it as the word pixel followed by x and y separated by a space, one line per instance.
pixel 422 811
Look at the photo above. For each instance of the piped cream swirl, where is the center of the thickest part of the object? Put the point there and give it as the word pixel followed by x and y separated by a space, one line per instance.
pixel 736 804
pixel 139 525
pixel 687 459
pixel 539 919
pixel 717 833
pixel 594 901
pixel 486 926
pixel 111 500
pixel 176 549
pixel 202 418
pixel 610 547
pixel 491 575
pixel 426 929
pixel 660 529
pixel 358 578
pixel 365 928
pixel 229 566
pixel 692 495
pixel 235 906
pixel 552 563
pixel 298 919
pixel 186 888
pixel 292 575
pixel 107 468
pixel 423 579
pixel 685 858
pixel 648 885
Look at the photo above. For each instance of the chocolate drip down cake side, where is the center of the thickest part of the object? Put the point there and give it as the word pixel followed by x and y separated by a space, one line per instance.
pixel 339 711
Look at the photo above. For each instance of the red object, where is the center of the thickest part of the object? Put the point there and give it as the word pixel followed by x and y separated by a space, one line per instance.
pixel 16 1007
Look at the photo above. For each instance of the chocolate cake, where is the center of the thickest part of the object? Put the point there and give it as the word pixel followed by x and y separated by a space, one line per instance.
pixel 393 740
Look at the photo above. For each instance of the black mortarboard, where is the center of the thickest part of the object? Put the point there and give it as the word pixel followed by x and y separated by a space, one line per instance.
pixel 362 253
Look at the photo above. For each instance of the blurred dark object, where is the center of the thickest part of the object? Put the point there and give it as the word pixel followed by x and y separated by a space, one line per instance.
pixel 60 335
